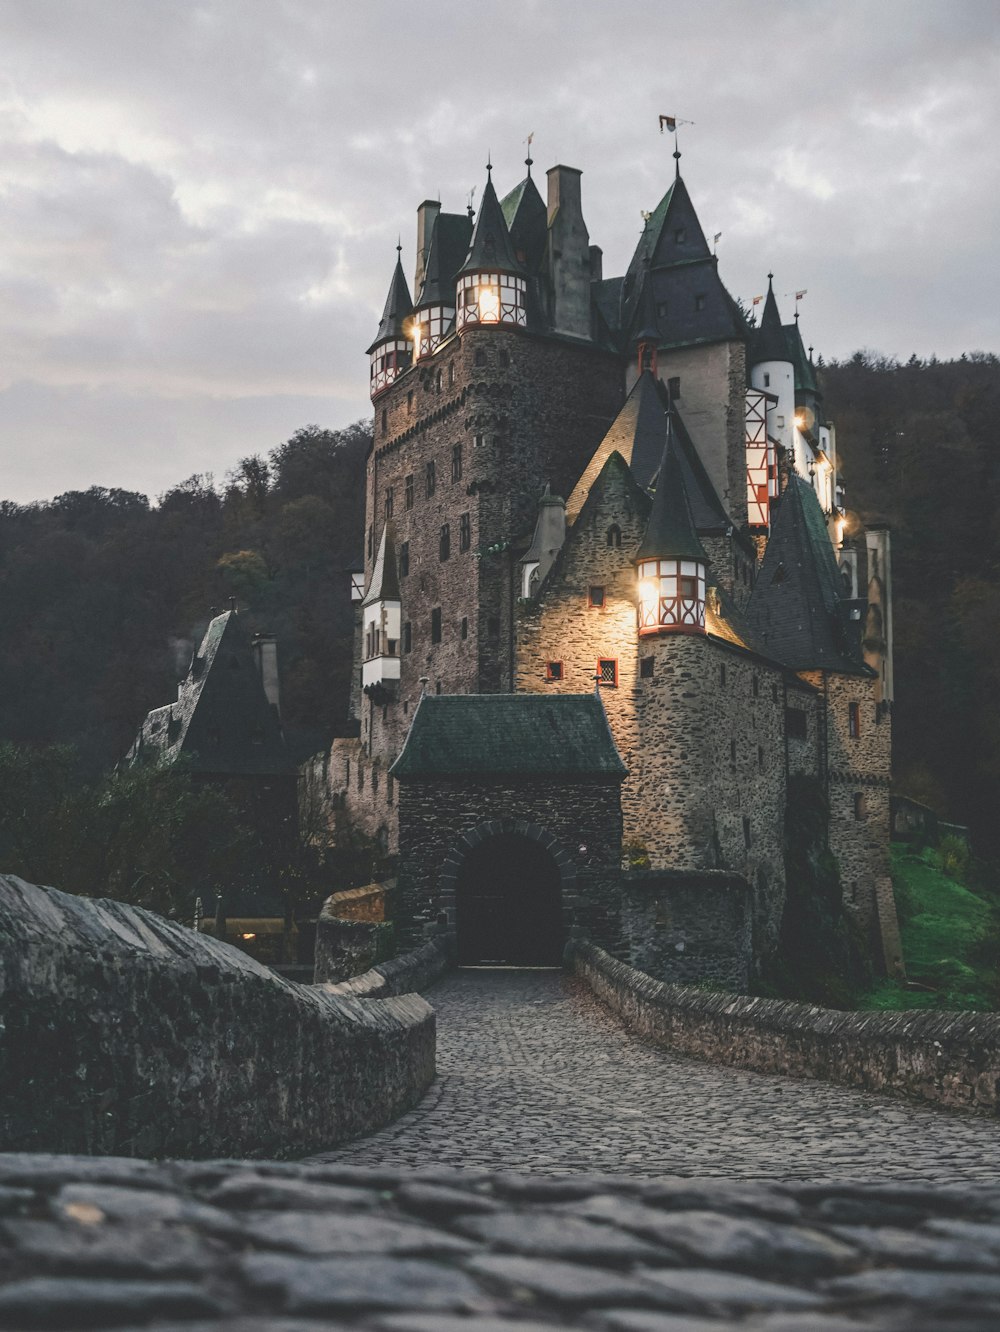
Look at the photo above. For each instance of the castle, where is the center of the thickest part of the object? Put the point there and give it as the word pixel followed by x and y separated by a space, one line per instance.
pixel 610 598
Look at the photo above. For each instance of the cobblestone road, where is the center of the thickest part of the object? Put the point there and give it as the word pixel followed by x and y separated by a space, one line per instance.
pixel 534 1075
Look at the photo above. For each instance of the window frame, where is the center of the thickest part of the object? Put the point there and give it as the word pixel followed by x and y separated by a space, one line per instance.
pixel 600 676
pixel 554 671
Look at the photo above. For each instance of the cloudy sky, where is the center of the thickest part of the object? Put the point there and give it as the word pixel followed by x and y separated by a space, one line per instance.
pixel 200 199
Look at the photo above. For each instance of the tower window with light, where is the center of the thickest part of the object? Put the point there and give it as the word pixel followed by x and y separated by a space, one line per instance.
pixel 491 298
pixel 671 596
pixel 429 327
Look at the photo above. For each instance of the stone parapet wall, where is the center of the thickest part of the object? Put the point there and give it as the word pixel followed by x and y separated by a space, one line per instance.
pixel 411 972
pixel 124 1033
pixel 346 948
pixel 951 1059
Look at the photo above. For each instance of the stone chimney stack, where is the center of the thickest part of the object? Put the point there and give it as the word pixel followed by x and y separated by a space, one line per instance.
pixel 569 254
pixel 596 263
pixel 426 217
pixel 265 651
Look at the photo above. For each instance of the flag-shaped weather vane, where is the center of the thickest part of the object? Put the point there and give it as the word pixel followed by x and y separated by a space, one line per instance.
pixel 670 123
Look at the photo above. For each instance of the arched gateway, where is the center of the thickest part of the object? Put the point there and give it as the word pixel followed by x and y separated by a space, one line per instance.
pixel 509 824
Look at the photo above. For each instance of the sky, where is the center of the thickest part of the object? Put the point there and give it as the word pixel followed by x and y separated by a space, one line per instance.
pixel 200 201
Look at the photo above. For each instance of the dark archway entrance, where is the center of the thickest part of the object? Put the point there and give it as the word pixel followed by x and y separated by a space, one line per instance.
pixel 508 904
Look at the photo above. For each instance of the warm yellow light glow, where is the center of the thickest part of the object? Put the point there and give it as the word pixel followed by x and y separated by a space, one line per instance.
pixel 489 305
pixel 648 591
pixel 800 419
pixel 248 936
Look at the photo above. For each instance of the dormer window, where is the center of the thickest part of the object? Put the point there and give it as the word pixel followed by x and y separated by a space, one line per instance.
pixel 680 235
pixel 699 301
pixel 671 596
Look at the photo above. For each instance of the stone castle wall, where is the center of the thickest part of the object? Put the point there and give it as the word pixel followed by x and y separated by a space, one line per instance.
pixel 689 927
pixel 123 1033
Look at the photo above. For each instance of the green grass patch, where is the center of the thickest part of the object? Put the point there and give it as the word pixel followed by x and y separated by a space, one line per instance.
pixel 950 933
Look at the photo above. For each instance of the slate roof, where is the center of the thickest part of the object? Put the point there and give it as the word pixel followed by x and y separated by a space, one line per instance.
pixel 526 216
pixel 796 608
pixel 670 531
pixel 384 584
pixel 222 722
pixel 768 342
pixel 639 434
pixel 448 246
pixel 497 735
pixel 491 245
pixel 398 308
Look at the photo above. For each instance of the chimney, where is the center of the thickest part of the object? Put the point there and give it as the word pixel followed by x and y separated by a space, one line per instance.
pixel 426 217
pixel 596 264
pixel 569 254
pixel 265 651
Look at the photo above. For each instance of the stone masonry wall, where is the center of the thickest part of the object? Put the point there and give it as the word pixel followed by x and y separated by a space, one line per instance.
pixel 952 1059
pixel 581 820
pixel 689 926
pixel 702 736
pixel 124 1033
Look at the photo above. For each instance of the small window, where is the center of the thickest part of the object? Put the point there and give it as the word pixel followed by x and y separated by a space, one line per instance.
pixel 407 637
pixel 444 542
pixel 661 309
pixel 436 625
pixel 854 721
pixel 722 673
pixel 451 374
pixel 465 626
pixel 607 672
pixel 755 686
pixel 408 493
pixel 680 235
pixel 404 559
pixel 553 670
pixel 504 358
pixel 699 301
pixel 760 758
pixel 409 401
pixel 385 419
pixel 257 735
pixel 437 382
pixel 478 441
pixel 388 502
pixel 456 462
pixel 780 422
pixel 860 806
pixel 646 668
pixel 437 687
pixel 493 628
pixel 464 532
pixel 596 596
pixel 480 356
pixel 746 832
pixel 767 381
pixel 674 387
pixel 615 536
pixel 795 724
pixel 430 479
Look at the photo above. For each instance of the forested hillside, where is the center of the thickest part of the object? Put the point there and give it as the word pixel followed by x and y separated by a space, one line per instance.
pixel 918 445
pixel 102 593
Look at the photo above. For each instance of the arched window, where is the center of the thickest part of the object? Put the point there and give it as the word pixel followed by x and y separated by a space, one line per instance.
pixel 615 536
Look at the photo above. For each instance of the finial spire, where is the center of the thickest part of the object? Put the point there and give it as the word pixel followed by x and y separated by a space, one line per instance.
pixel 489 162
pixel 677 164
pixel 399 245
pixel 528 159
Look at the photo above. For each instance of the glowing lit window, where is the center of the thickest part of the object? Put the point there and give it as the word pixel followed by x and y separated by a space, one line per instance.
pixel 671 596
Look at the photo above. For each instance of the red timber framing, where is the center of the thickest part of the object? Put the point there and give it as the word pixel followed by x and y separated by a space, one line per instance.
pixel 761 461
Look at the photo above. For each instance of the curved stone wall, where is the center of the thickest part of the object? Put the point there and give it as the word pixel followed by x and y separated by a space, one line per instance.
pixel 952 1059
pixel 124 1033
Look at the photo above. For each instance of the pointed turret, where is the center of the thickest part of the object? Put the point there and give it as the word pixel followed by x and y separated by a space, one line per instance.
pixel 434 315
pixel 491 282
pixel 392 351
pixel 768 343
pixel 671 562
pixel 381 614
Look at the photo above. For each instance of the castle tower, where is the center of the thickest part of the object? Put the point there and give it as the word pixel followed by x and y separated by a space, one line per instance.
pixel 491 284
pixel 392 351
pixel 671 562
pixel 437 259
pixel 381 620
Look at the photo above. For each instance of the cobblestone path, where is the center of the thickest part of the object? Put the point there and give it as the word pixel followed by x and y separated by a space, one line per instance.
pixel 535 1075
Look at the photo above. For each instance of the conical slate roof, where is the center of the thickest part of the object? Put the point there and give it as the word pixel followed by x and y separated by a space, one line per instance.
pixel 491 246
pixel 796 607
pixel 769 341
pixel 805 373
pixel 448 245
pixel 384 585
pixel 670 532
pixel 527 221
pixel 398 308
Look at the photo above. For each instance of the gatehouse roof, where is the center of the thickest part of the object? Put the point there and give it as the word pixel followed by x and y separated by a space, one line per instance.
pixel 497 735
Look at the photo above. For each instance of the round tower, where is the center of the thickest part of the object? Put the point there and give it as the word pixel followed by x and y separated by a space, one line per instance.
pixel 392 351
pixel 671 563
pixel 491 288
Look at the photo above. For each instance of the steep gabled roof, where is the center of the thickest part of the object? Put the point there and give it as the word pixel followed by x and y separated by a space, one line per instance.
pixel 222 721
pixel 398 308
pixel 768 342
pixel 384 585
pixel 670 532
pixel 448 245
pixel 796 607
pixel 639 434
pixel 805 374
pixel 505 735
pixel 526 216
pixel 491 246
